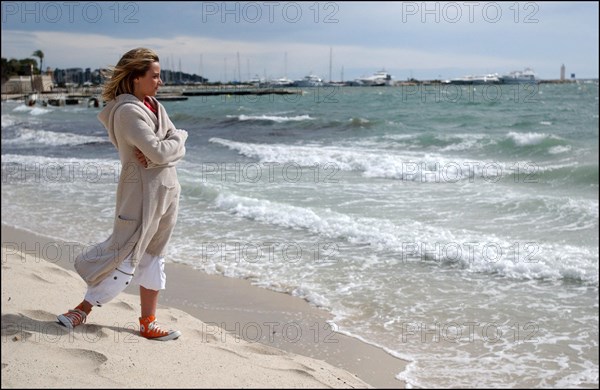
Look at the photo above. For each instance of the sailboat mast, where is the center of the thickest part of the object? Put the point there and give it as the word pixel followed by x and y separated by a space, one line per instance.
pixel 239 68
pixel 330 61
pixel 201 69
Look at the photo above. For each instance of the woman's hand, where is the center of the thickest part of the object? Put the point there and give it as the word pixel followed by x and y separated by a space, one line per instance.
pixel 140 157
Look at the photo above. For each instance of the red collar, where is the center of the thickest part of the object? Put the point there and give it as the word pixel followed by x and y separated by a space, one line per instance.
pixel 147 103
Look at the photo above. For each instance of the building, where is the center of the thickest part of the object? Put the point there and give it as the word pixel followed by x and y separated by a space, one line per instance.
pixel 562 72
pixel 28 84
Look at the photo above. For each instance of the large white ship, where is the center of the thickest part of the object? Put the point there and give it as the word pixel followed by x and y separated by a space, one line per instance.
pixel 309 81
pixel 519 77
pixel 471 80
pixel 379 78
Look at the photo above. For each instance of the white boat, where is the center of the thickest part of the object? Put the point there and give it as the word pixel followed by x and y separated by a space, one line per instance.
pixel 309 81
pixel 282 82
pixel 256 81
pixel 519 77
pixel 491 78
pixel 378 78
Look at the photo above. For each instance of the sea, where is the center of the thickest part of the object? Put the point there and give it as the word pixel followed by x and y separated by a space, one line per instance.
pixel 456 227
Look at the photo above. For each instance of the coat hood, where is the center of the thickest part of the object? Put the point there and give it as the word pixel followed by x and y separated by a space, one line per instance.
pixel 107 115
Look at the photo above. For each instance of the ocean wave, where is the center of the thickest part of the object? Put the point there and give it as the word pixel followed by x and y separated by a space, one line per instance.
pixel 272 118
pixel 563 172
pixel 360 122
pixel 8 121
pixel 399 137
pixel 533 144
pixel 32 159
pixel 456 142
pixel 404 165
pixel 42 137
pixel 526 139
pixel 512 144
pixel 372 162
pixel 58 170
pixel 559 149
pixel 32 110
pixel 414 241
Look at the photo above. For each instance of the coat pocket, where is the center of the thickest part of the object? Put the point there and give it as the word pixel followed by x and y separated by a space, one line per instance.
pixel 124 219
pixel 167 195
pixel 124 235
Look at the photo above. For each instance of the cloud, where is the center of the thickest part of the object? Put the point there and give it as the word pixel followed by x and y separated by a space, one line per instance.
pixel 65 50
pixel 365 37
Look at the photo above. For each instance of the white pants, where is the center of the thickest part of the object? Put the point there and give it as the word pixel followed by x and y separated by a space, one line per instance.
pixel 150 273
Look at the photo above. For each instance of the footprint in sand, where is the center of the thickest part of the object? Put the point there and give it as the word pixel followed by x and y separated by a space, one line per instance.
pixel 93 357
pixel 58 271
pixel 264 350
pixel 123 305
pixel 37 277
pixel 206 337
pixel 233 352
pixel 41 315
pixel 93 332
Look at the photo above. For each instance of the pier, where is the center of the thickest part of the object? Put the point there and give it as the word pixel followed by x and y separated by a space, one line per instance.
pixel 166 93
pixel 93 95
pixel 242 91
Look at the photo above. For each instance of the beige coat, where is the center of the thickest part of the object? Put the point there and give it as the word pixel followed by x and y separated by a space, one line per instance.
pixel 147 198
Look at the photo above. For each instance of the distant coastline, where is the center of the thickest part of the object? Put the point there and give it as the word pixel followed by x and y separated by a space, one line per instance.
pixel 87 92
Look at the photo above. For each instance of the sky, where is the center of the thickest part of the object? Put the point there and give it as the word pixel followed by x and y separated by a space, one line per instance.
pixel 226 41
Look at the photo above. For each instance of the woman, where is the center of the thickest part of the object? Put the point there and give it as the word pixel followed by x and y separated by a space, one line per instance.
pixel 149 146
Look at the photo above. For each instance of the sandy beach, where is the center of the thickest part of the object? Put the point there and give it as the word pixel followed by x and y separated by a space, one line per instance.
pixel 248 336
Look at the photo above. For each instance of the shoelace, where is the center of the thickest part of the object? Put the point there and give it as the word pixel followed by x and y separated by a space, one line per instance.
pixel 76 317
pixel 155 328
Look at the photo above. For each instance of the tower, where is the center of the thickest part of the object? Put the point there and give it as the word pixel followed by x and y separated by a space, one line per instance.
pixel 562 72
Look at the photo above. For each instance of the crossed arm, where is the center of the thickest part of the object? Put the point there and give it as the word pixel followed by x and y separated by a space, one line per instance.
pixel 140 157
pixel 149 150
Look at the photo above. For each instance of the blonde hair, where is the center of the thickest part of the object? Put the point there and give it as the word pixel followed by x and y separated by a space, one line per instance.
pixel 135 63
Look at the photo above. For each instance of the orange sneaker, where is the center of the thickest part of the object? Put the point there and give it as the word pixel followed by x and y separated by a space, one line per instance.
pixel 72 318
pixel 149 329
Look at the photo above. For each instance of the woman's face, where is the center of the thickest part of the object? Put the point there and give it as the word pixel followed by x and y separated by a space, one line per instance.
pixel 147 85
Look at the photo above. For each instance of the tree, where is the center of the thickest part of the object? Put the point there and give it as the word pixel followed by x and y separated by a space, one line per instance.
pixel 39 54
pixel 14 67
